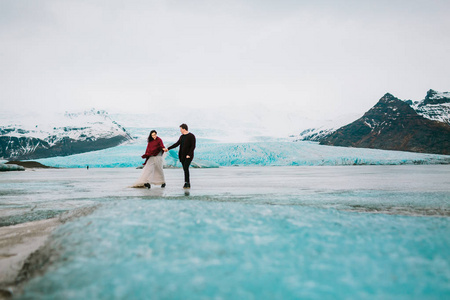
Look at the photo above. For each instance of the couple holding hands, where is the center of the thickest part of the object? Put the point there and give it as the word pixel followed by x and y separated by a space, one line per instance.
pixel 152 172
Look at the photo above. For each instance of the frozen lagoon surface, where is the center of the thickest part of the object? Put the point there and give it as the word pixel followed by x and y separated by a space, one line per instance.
pixel 342 232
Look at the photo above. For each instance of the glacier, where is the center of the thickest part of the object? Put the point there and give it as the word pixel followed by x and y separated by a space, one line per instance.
pixel 223 146
pixel 209 154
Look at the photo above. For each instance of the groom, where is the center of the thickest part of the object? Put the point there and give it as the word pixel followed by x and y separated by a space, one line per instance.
pixel 186 152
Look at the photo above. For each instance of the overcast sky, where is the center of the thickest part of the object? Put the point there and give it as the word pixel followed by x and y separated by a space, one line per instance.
pixel 319 58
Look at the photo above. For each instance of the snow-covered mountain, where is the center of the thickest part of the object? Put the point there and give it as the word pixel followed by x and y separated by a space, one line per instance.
pixel 435 106
pixel 323 129
pixel 30 137
pixel 392 124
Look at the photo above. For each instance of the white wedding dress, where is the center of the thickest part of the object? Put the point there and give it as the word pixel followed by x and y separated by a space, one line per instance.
pixel 152 172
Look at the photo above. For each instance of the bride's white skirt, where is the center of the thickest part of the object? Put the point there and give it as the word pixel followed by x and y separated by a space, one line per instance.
pixel 152 172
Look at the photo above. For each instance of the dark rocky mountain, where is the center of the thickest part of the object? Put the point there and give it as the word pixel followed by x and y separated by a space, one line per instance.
pixel 392 124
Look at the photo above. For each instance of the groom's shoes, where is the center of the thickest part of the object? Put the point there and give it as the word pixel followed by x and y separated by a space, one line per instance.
pixel 187 185
pixel 147 185
pixel 163 185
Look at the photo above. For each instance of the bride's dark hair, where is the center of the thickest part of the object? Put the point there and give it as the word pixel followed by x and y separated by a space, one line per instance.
pixel 150 136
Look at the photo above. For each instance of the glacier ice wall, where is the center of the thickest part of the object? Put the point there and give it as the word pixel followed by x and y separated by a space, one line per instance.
pixel 210 154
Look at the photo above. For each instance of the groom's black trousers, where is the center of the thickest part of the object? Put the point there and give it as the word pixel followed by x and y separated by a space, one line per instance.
pixel 186 162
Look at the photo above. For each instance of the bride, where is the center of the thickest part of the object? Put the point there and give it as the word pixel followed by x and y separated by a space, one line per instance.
pixel 152 173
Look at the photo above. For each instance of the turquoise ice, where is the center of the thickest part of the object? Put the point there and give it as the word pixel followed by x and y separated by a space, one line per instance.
pixel 340 232
pixel 283 153
pixel 212 152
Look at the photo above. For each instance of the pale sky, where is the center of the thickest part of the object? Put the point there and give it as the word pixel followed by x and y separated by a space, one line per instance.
pixel 317 58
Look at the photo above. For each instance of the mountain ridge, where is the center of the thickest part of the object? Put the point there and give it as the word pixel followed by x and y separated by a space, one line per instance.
pixel 393 124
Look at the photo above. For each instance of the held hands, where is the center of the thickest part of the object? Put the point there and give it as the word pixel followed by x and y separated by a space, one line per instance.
pixel 165 150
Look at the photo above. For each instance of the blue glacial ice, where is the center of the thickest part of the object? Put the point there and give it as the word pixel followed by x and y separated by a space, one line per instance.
pixel 215 150
pixel 271 153
pixel 349 232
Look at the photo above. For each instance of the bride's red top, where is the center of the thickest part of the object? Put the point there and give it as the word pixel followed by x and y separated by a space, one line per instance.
pixel 154 147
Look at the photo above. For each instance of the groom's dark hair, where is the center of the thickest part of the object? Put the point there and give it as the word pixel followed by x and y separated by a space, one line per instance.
pixel 184 126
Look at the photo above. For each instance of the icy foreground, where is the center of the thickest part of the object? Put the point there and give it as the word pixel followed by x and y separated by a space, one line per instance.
pixel 349 232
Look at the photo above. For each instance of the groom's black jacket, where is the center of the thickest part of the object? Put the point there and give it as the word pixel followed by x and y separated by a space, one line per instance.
pixel 187 146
